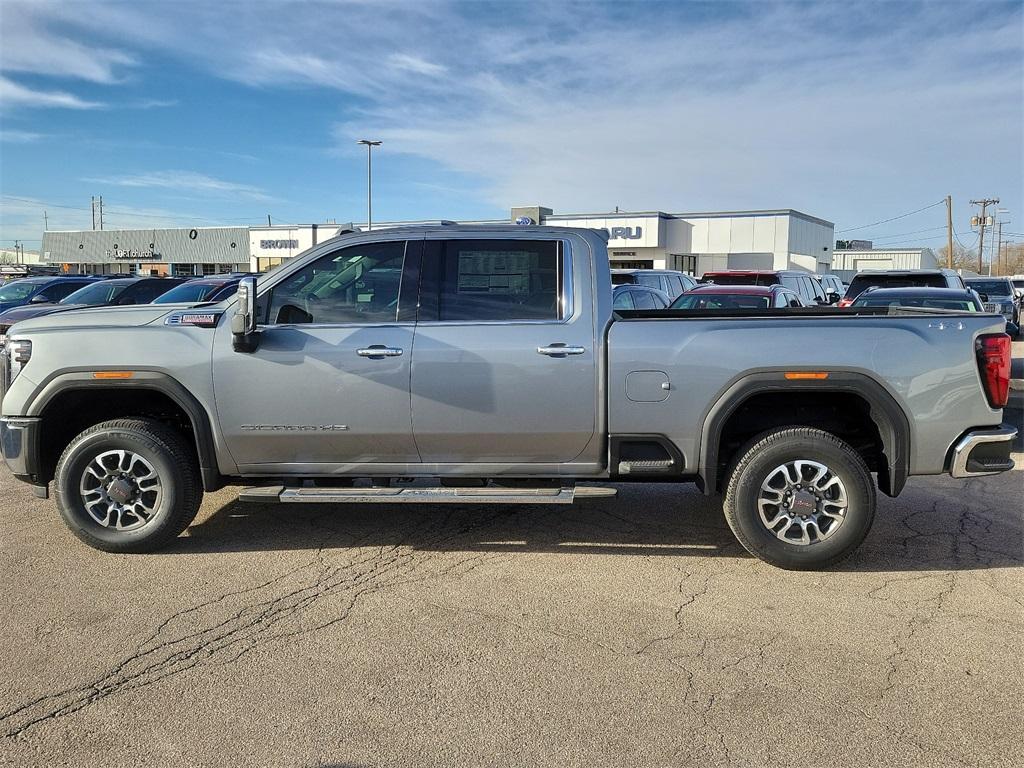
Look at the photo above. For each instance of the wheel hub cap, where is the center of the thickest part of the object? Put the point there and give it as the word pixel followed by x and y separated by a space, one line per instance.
pixel 120 489
pixel 802 502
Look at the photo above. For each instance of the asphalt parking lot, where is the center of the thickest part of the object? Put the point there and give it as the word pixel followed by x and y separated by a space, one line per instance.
pixel 629 631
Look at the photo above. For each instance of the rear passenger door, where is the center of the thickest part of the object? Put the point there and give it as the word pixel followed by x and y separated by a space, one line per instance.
pixel 503 366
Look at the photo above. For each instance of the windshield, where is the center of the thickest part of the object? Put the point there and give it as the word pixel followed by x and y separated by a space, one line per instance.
pixel 188 293
pixel 960 305
pixel 720 301
pixel 17 290
pixel 991 287
pixel 96 294
pixel 861 283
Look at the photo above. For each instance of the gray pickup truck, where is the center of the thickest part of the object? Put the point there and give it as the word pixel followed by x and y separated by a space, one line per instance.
pixel 484 364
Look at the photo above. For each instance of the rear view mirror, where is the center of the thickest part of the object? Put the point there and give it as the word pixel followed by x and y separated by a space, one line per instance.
pixel 243 322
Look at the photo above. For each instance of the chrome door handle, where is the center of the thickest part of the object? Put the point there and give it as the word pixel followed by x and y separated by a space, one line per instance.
pixel 379 350
pixel 560 350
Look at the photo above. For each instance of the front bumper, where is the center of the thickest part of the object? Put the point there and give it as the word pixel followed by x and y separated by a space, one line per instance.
pixel 19 442
pixel 983 452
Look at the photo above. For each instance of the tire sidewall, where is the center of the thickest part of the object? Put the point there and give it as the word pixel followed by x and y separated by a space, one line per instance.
pixel 859 490
pixel 78 456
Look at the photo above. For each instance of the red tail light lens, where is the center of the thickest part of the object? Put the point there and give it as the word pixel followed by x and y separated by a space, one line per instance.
pixel 994 365
pixel 845 302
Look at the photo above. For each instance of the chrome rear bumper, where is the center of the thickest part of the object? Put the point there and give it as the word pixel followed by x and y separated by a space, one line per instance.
pixel 983 452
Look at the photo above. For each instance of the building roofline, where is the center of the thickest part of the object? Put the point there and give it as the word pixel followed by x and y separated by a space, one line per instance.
pixel 694 215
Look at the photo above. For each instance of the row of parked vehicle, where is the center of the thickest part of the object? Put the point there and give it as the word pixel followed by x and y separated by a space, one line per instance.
pixel 755 290
pixel 30 297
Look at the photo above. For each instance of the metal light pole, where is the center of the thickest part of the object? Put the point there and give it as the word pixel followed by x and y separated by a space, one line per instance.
pixel 369 179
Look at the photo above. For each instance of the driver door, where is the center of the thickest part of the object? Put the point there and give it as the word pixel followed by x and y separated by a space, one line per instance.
pixel 328 385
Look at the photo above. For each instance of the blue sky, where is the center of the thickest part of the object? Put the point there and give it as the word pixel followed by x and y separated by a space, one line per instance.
pixel 205 113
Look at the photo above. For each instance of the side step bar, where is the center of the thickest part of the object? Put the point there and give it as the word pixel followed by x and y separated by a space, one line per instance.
pixel 432 495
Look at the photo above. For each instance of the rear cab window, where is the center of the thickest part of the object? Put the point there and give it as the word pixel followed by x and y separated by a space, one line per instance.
pixel 862 282
pixel 492 281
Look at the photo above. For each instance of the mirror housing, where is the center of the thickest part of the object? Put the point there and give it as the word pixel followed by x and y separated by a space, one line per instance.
pixel 833 298
pixel 243 323
pixel 39 299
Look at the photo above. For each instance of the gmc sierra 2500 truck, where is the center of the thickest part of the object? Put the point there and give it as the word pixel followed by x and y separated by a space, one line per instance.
pixel 485 364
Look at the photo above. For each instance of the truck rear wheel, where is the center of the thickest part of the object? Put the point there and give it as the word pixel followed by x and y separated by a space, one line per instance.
pixel 799 498
pixel 128 485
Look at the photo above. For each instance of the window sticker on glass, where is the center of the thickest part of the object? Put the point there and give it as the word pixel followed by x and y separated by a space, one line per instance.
pixel 503 272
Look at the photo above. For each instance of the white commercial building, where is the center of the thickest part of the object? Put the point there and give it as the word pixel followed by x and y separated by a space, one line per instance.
pixel 690 242
pixel 847 263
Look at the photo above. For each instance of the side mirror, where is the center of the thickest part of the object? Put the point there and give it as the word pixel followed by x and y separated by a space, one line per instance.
pixel 983 296
pixel 39 298
pixel 833 298
pixel 243 322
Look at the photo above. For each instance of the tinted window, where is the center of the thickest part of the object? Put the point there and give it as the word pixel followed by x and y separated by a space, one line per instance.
pixel 58 291
pixel 622 278
pixel 95 294
pixel 17 290
pixel 863 281
pixel 190 292
pixel 498 280
pixel 651 281
pixel 720 301
pixel 645 300
pixel 991 287
pixel 675 285
pixel 623 300
pixel 961 305
pixel 358 284
pixel 145 291
pixel 815 290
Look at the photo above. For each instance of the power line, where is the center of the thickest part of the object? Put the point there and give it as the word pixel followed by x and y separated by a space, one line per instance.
pixel 894 218
pixel 901 234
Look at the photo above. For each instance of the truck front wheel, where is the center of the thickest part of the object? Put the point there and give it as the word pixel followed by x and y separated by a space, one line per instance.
pixel 799 498
pixel 128 485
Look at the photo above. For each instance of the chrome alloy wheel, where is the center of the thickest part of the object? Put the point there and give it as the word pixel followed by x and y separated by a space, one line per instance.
pixel 121 490
pixel 802 502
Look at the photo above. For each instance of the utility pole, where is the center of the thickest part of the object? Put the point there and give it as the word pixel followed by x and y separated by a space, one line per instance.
pixel 92 207
pixel 999 246
pixel 981 228
pixel 101 212
pixel 46 223
pixel 370 144
pixel 268 220
pixel 949 231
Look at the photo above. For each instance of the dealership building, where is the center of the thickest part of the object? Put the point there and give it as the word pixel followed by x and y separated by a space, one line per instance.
pixel 689 242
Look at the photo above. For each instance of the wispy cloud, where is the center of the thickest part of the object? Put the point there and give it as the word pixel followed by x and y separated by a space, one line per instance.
pixel 152 103
pixel 14 95
pixel 188 181
pixel 408 63
pixel 19 137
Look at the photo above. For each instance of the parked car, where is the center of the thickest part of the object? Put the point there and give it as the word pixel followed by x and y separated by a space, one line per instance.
pixel 738 297
pixel 901 278
pixel 201 289
pixel 833 287
pixel 998 296
pixel 1018 288
pixel 498 364
pixel 803 283
pixel 121 291
pixel 40 290
pixel 639 297
pixel 665 280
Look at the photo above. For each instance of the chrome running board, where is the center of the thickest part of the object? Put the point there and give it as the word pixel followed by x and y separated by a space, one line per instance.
pixel 425 495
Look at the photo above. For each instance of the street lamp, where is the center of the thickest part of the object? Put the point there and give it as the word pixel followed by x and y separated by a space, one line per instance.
pixel 369 179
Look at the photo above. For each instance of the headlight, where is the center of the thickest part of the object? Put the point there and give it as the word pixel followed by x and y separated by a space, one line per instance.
pixel 19 352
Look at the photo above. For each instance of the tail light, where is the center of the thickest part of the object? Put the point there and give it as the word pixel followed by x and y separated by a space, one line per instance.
pixel 844 302
pixel 994 366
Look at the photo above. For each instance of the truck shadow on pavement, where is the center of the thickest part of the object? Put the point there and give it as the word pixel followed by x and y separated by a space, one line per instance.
pixel 937 524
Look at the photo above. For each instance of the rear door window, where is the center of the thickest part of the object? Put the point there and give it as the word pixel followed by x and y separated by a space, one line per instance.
pixel 623 300
pixel 650 280
pixel 645 300
pixel 495 280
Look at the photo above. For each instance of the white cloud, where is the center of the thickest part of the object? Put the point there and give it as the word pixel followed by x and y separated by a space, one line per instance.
pixel 409 63
pixel 19 137
pixel 188 181
pixel 14 95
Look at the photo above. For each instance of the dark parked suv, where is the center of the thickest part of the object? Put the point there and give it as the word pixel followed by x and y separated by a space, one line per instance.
pixel 40 290
pixel 118 292
pixel 901 278
pixel 803 283
pixel 666 280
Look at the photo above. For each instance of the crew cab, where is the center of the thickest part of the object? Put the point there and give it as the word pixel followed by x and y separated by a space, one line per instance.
pixel 485 364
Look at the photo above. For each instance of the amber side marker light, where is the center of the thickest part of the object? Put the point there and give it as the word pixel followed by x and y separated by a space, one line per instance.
pixel 806 375
pixel 113 374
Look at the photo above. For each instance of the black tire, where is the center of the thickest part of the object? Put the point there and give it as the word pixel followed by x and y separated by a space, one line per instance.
pixel 757 461
pixel 170 456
